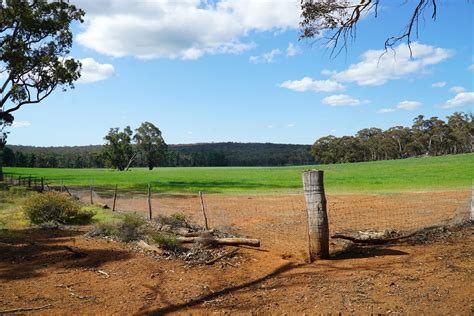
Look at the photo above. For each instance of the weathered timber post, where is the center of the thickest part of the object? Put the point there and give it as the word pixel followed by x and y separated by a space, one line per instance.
pixel 42 184
pixel 149 202
pixel 472 203
pixel 318 228
pixel 115 199
pixel 91 193
pixel 19 180
pixel 29 181
pixel 203 211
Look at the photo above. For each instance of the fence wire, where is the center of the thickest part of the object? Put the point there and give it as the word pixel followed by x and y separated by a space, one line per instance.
pixel 280 220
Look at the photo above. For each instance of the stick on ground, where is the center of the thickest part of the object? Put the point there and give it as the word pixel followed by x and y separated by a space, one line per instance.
pixel 25 309
pixel 222 256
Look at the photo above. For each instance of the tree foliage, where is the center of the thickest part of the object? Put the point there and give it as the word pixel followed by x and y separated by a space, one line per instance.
pixel 35 39
pixel 150 144
pixel 339 18
pixel 118 150
pixel 427 136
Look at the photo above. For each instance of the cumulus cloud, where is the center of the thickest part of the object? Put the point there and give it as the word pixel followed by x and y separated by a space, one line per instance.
pixel 93 71
pixel 185 29
pixel 408 105
pixel 386 110
pixel 342 100
pixel 265 58
pixel 471 67
pixel 377 66
pixel 308 84
pixel 292 50
pixel 461 99
pixel 457 89
pixel 20 124
pixel 440 84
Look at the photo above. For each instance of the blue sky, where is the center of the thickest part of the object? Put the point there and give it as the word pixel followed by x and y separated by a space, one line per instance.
pixel 235 71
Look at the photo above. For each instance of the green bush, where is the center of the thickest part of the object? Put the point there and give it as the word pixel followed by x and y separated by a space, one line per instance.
pixel 130 227
pixel 55 207
pixel 174 220
pixel 166 241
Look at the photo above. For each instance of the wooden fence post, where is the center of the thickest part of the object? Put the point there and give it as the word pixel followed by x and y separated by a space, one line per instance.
pixel 19 180
pixel 42 184
pixel 472 203
pixel 29 181
pixel 318 228
pixel 149 202
pixel 90 191
pixel 115 199
pixel 203 211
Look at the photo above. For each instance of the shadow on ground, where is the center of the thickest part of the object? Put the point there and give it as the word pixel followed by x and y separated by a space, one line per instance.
pixel 24 253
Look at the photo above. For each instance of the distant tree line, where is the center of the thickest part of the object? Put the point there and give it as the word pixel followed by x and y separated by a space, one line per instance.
pixel 189 155
pixel 427 136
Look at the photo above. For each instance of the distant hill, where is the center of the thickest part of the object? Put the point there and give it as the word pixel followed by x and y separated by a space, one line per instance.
pixel 201 154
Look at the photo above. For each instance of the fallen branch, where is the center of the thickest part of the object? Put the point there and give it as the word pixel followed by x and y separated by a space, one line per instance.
pixel 222 256
pixel 221 241
pixel 143 245
pixel 368 240
pixel 25 309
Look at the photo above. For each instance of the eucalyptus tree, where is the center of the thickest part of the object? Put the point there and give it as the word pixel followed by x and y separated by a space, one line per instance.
pixel 150 144
pixel 35 42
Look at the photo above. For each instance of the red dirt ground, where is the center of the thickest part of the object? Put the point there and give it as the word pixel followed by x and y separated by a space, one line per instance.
pixel 435 276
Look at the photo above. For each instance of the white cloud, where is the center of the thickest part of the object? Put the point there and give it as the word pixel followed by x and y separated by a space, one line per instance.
pixel 440 84
pixel 20 124
pixel 308 84
pixel 342 100
pixel 386 110
pixel 457 89
pixel 93 71
pixel 269 126
pixel 377 66
pixel 265 58
pixel 185 29
pixel 461 99
pixel 290 125
pixel 408 105
pixel 292 50
pixel 471 67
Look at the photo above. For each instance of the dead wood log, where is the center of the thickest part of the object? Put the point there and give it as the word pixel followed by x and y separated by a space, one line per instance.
pixel 221 241
pixel 143 245
pixel 222 256
pixel 369 240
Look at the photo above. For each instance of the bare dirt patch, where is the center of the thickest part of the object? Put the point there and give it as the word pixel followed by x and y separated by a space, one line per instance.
pixel 434 274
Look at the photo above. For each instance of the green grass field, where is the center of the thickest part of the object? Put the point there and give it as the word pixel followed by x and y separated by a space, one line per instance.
pixel 415 174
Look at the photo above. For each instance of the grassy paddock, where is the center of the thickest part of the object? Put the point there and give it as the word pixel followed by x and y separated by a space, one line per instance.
pixel 453 172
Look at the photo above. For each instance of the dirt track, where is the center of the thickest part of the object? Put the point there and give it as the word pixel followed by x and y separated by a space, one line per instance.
pixel 36 269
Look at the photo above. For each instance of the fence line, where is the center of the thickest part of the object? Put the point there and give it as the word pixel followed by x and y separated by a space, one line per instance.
pixel 272 216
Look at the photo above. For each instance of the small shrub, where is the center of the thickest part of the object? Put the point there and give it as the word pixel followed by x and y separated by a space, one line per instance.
pixel 174 220
pixel 55 207
pixel 129 229
pixel 166 241
pixel 104 229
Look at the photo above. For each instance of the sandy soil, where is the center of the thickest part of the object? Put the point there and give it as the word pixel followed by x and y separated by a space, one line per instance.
pixel 37 269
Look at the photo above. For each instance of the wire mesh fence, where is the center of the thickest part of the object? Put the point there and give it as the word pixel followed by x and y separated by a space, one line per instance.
pixel 280 219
